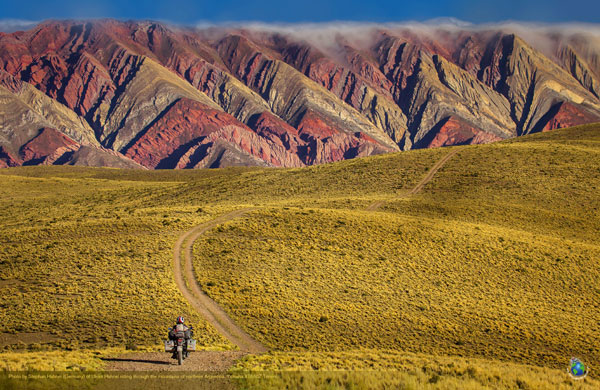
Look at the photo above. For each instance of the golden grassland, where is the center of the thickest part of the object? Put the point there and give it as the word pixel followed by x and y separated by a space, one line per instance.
pixel 375 176
pixel 88 263
pixel 140 380
pixel 547 188
pixel 332 280
pixel 390 369
pixel 496 258
pixel 56 360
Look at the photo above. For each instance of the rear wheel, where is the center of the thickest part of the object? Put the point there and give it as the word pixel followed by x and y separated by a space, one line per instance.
pixel 180 357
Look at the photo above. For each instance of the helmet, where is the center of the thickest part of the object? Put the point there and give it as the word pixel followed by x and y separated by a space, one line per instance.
pixel 180 320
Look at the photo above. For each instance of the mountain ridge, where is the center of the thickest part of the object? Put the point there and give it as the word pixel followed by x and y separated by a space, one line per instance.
pixel 158 96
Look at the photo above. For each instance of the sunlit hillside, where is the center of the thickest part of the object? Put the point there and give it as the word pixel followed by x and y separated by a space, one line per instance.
pixel 494 262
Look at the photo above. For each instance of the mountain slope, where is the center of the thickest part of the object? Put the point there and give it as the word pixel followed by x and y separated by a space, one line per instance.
pixel 175 97
pixel 35 129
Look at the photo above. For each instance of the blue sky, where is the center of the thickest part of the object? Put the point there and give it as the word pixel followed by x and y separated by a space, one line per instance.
pixel 286 11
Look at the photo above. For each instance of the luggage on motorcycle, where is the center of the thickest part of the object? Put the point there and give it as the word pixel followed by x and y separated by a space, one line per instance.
pixel 191 345
pixel 169 345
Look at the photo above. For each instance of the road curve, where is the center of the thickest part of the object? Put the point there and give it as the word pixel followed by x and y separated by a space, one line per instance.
pixel 440 163
pixel 207 307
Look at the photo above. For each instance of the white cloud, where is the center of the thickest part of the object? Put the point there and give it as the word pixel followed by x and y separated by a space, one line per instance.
pixel 327 36
pixel 11 25
pixel 324 35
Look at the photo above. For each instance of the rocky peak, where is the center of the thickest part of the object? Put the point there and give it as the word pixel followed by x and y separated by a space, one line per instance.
pixel 184 98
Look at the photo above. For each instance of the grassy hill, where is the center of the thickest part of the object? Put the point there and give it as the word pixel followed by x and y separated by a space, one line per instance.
pixel 495 259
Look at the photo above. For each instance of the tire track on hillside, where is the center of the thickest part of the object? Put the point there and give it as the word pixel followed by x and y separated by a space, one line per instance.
pixel 375 205
pixel 419 186
pixel 432 172
pixel 206 306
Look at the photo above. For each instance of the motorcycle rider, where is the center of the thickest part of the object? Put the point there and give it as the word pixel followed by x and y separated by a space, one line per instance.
pixel 180 327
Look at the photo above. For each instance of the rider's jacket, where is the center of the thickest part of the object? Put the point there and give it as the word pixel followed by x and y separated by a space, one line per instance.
pixel 180 328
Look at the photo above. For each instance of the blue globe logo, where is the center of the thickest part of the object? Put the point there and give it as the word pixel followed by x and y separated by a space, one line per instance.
pixel 577 369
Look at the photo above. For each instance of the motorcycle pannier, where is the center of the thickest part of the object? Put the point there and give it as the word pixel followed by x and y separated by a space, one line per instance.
pixel 169 345
pixel 191 345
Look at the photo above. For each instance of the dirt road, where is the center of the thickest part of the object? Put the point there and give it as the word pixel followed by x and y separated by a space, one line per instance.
pixel 161 361
pixel 186 282
pixel 436 167
pixel 209 309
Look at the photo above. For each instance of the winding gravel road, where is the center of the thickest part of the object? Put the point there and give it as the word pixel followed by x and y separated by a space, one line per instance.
pixel 185 279
pixel 211 311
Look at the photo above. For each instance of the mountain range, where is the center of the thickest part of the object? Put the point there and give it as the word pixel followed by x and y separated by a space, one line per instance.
pixel 143 94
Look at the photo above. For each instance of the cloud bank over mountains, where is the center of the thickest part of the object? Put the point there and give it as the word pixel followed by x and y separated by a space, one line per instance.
pixel 12 25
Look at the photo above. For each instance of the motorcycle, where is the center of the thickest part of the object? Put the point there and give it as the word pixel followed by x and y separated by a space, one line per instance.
pixel 181 345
